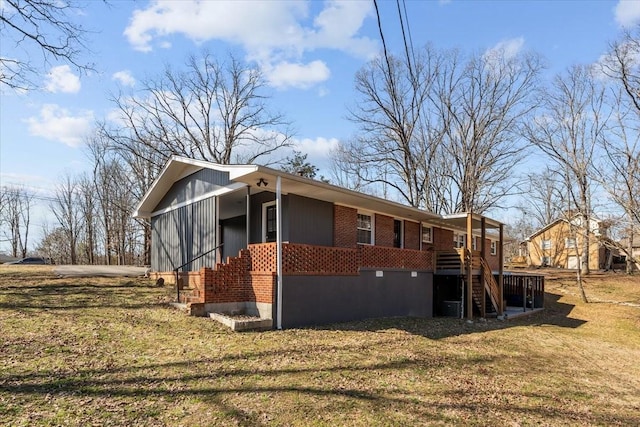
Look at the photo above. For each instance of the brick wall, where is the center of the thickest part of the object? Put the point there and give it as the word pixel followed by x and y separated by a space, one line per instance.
pixel 384 230
pixel 263 256
pixel 442 239
pixel 261 287
pixel 345 221
pixel 383 257
pixel 412 235
pixel 319 260
pixel 235 282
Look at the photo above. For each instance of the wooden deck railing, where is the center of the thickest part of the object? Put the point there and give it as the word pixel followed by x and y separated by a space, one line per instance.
pixel 490 285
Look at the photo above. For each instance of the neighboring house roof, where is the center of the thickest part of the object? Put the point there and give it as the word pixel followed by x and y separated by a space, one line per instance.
pixel 249 175
pixel 553 224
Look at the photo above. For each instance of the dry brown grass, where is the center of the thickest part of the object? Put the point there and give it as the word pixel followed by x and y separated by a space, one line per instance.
pixel 110 352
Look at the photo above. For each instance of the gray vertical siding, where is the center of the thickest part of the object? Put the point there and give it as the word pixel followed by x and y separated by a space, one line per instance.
pixel 234 236
pixel 257 200
pixel 183 234
pixel 304 220
pixel 194 185
pixel 310 221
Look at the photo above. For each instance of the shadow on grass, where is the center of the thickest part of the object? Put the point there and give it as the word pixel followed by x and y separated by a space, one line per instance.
pixel 74 296
pixel 555 313
pixel 184 380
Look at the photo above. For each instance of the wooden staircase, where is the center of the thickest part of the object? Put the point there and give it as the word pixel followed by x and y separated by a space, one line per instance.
pixel 485 290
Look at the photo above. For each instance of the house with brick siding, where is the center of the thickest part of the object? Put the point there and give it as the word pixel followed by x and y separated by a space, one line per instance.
pixel 251 239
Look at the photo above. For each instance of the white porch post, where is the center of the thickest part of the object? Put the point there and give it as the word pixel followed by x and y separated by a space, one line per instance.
pixel 248 213
pixel 279 251
pixel 217 228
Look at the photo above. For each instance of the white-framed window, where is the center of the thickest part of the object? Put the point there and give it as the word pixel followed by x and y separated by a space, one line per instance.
pixel 474 243
pixel 459 240
pixel 365 228
pixel 569 243
pixel 546 261
pixel 494 247
pixel 269 222
pixel 427 234
pixel 546 244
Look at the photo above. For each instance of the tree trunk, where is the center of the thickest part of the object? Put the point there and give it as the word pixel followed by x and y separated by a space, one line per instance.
pixel 580 282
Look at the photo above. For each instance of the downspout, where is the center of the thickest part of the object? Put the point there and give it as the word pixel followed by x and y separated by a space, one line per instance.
pixel 217 228
pixel 248 213
pixel 279 252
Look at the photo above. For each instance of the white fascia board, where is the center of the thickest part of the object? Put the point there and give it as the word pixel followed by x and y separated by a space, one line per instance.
pixel 219 192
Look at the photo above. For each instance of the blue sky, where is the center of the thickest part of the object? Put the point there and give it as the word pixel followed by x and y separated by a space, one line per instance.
pixel 309 51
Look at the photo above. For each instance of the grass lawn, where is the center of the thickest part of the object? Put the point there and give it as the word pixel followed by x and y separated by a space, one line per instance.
pixel 82 352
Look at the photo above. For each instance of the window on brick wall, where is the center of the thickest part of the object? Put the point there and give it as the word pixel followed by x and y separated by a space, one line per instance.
pixel 365 229
pixel 427 234
pixel 494 247
pixel 459 240
pixel 397 233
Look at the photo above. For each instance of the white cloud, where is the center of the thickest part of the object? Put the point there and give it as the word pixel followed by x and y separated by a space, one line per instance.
pixel 509 48
pixel 301 76
pixel 124 77
pixel 61 79
pixel 318 150
pixel 57 124
pixel 627 13
pixel 276 34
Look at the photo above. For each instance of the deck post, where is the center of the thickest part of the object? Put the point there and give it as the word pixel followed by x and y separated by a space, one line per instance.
pixel 469 250
pixel 501 269
pixel 483 236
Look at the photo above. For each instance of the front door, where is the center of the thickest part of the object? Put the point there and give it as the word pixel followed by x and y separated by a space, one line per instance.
pixel 270 223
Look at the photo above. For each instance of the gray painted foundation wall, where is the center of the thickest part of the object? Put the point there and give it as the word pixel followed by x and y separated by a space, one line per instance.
pixel 321 300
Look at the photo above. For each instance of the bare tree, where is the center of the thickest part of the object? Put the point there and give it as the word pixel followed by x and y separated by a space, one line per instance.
pixel 568 130
pixel 391 150
pixel 66 209
pixel 15 218
pixel 213 111
pixel 544 197
pixel 54 245
pixel 441 131
pixel 482 106
pixel 44 25
pixel 88 205
pixel 120 179
pixel 622 64
pixel 620 169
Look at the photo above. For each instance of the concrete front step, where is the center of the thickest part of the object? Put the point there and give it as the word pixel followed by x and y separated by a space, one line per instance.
pixel 244 323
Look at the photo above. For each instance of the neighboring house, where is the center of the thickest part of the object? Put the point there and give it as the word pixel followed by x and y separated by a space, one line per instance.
pixel 635 249
pixel 254 239
pixel 559 244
